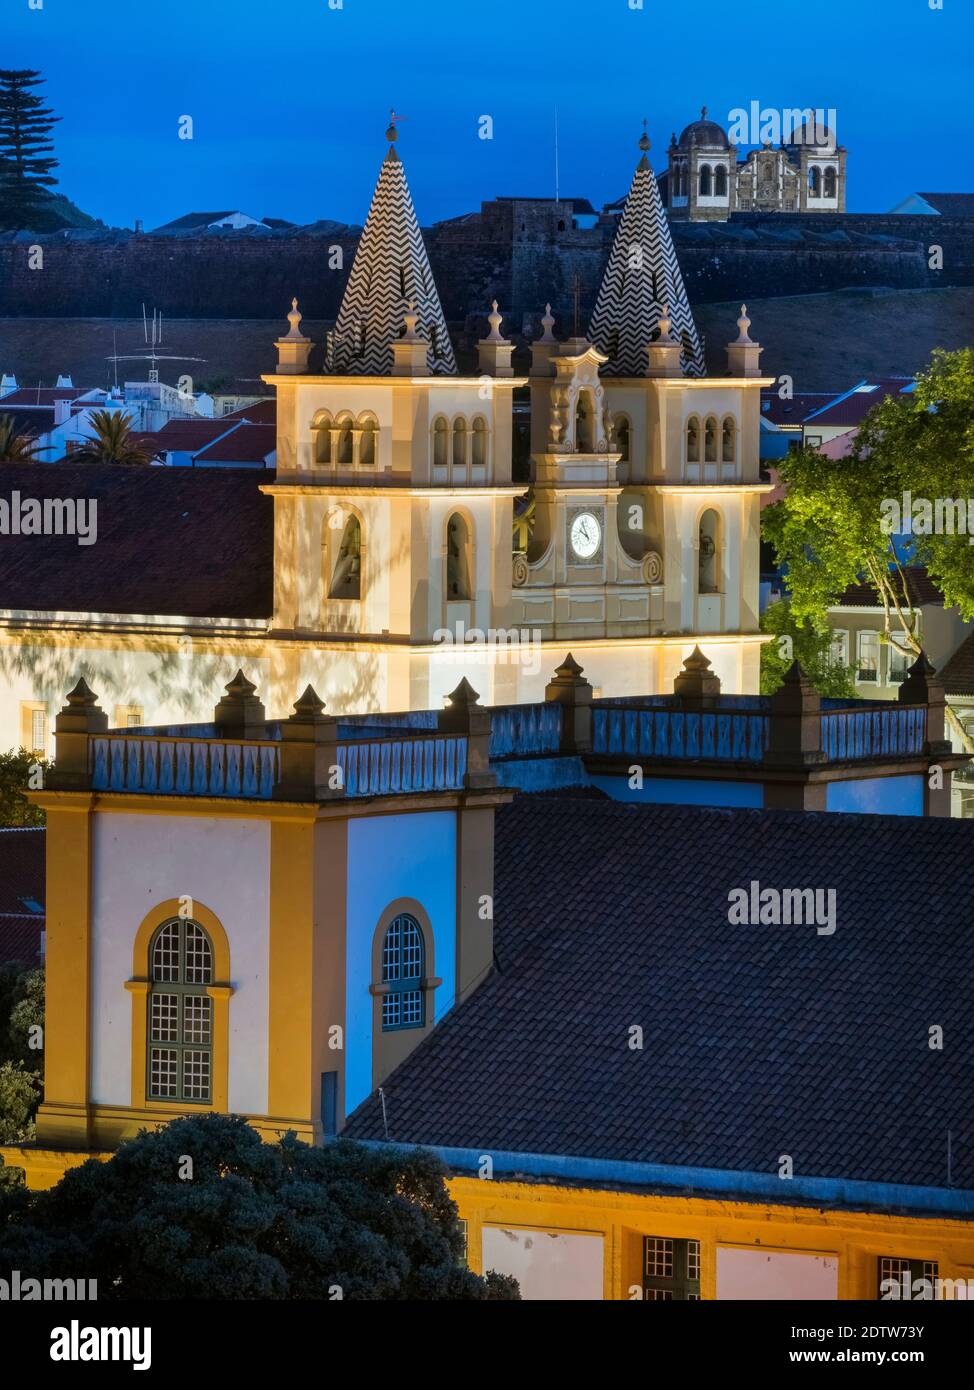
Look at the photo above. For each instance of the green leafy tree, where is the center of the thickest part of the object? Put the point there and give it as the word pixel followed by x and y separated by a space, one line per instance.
pixel 27 160
pixel 25 1028
pixel 20 1094
pixel 19 772
pixel 810 645
pixel 111 441
pixel 203 1208
pixel 21 1060
pixel 836 524
pixel 16 445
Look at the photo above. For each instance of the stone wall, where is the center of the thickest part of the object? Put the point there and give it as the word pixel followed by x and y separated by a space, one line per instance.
pixel 514 252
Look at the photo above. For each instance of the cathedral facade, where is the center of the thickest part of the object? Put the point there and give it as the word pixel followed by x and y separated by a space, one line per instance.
pixel 405 556
pixel 706 182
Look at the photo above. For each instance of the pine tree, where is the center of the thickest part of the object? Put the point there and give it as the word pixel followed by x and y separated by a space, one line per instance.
pixel 26 150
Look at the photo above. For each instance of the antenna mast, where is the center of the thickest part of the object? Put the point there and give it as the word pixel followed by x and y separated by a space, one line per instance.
pixel 556 156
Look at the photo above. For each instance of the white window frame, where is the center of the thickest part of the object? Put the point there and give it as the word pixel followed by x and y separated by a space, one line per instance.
pixel 840 635
pixel 860 679
pixel 894 645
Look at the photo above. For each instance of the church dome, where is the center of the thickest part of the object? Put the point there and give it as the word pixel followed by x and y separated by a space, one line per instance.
pixel 704 134
pixel 813 133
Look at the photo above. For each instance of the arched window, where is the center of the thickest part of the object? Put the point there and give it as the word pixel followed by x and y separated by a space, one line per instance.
pixel 457 559
pixel 728 440
pixel 585 424
pixel 693 440
pixel 710 440
pixel 622 431
pixel 322 428
pixel 345 449
pixel 708 563
pixel 441 442
pixel 459 442
pixel 367 440
pixel 479 442
pixel 346 581
pixel 403 961
pixel 829 185
pixel 180 1022
pixel 706 181
pixel 814 181
pixel 720 181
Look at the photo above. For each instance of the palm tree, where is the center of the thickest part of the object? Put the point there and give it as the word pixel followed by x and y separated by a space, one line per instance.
pixel 16 446
pixel 111 441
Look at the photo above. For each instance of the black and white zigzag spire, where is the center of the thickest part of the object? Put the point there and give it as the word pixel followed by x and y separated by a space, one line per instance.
pixel 641 277
pixel 391 269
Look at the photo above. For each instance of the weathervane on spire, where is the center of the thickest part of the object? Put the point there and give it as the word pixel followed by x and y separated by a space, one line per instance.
pixel 644 138
pixel 392 133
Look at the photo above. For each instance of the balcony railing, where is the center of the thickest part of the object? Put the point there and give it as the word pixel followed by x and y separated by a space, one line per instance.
pixel 879 730
pixel 739 736
pixel 183 767
pixel 523 729
pixel 376 767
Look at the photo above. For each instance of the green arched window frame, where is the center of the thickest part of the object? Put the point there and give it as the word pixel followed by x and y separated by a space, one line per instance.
pixel 403 968
pixel 179 1052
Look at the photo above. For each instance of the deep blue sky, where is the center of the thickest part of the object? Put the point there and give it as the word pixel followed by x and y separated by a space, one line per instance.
pixel 290 98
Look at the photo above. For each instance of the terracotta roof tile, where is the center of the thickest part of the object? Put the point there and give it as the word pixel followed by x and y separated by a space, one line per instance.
pixel 171 541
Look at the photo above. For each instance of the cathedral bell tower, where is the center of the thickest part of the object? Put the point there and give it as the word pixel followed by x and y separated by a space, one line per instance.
pixel 645 477
pixel 393 499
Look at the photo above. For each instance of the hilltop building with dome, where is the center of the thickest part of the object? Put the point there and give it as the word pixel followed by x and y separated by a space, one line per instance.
pixel 705 181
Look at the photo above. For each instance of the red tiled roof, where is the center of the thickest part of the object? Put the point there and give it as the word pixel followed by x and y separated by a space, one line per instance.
pixel 189 435
pixel 21 883
pixel 44 395
pixel 852 409
pixel 840 447
pixel 20 939
pixel 263 413
pixel 171 541
pixel 920 587
pixel 245 444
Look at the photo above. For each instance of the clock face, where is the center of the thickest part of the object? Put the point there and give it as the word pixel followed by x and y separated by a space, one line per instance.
pixel 585 535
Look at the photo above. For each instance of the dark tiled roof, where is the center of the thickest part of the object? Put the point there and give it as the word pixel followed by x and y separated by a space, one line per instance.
pixel 958 674
pixel 171 541
pixel 195 219
pixel 245 443
pixel 851 409
pixel 792 412
pixel 758 1040
pixel 951 204
pixel 21 884
pixel 30 419
pixel 920 588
